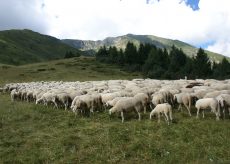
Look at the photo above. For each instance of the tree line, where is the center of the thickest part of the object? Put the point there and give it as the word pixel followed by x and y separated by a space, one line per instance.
pixel 160 63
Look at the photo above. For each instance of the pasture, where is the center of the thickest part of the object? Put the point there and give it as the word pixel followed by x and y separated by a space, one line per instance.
pixel 32 133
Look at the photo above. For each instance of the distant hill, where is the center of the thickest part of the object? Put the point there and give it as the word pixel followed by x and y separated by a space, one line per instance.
pixel 121 41
pixel 25 46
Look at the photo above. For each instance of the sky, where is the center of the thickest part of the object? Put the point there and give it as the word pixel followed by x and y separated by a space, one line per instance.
pixel 202 23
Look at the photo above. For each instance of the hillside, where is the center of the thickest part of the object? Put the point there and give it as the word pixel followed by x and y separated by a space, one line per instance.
pixel 121 41
pixel 73 69
pixel 25 46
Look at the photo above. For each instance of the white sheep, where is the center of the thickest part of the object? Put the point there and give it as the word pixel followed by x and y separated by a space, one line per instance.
pixel 63 99
pixel 224 102
pixel 113 102
pixel 47 98
pixel 127 105
pixel 206 103
pixel 144 99
pixel 83 103
pixel 185 99
pixel 14 94
pixel 165 109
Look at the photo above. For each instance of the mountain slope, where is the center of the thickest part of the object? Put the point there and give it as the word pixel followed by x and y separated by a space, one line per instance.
pixel 25 46
pixel 121 41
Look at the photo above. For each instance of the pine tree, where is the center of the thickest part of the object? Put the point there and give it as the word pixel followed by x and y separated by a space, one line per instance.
pixel 130 53
pixel 202 65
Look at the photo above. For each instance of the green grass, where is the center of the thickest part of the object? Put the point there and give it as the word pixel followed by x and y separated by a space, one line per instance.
pixel 37 134
pixel 74 69
pixel 32 133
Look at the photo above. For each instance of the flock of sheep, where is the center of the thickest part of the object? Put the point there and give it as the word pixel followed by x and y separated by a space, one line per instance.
pixel 121 96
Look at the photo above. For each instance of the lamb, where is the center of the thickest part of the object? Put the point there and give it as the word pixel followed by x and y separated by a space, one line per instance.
pixel 127 105
pixel 208 103
pixel 165 109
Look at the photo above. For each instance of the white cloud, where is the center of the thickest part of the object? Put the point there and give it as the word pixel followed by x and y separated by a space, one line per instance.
pixel 97 19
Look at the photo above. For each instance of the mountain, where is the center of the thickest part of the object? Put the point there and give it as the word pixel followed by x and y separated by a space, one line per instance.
pixel 121 41
pixel 25 46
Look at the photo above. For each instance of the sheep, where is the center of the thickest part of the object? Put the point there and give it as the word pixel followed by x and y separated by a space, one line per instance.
pixel 29 96
pixel 165 109
pixel 127 105
pixel 216 93
pixel 83 104
pixel 185 99
pixel 224 102
pixel 64 99
pixel 158 98
pixel 144 99
pixel 14 95
pixel 113 102
pixel 208 103
pixel 47 98
pixel 97 101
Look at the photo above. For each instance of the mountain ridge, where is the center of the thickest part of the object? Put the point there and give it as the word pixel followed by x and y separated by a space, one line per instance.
pixel 121 41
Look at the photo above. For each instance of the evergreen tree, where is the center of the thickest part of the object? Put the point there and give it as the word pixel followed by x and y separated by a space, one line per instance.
pixel 177 60
pixel 143 52
pixel 202 65
pixel 130 53
pixel 222 70
pixel 154 66
pixel 102 54
pixel 113 54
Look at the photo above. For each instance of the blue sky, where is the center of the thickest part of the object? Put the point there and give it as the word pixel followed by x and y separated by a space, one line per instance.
pixel 203 23
pixel 193 4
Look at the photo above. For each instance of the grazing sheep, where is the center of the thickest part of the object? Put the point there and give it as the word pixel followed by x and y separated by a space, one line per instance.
pixel 113 102
pixel 165 109
pixel 14 95
pixel 127 105
pixel 144 99
pixel 208 103
pixel 83 103
pixel 47 98
pixel 224 102
pixel 185 99
pixel 63 99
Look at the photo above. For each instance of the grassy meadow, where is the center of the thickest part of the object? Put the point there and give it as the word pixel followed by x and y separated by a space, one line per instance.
pixel 32 133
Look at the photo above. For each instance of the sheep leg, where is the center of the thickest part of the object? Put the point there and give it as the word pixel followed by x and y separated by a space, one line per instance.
pixel 144 109
pixel 217 116
pixel 139 116
pixel 179 107
pixel 203 112
pixel 122 116
pixel 159 117
pixel 197 115
pixel 166 118
pixel 224 113
pixel 188 110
